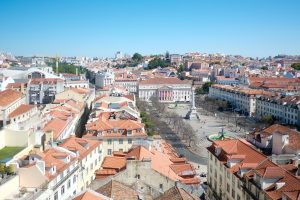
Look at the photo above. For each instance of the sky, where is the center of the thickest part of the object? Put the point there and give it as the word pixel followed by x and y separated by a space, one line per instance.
pixel 255 28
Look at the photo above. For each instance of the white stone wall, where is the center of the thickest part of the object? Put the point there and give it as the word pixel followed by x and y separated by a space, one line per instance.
pixel 141 171
pixel 89 165
pixel 218 177
pixel 111 145
pixel 180 92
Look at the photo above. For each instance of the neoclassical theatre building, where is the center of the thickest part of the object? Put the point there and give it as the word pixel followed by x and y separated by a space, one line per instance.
pixel 166 89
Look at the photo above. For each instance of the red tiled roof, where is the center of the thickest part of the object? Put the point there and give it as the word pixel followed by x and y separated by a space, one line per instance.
pixel 57 126
pixel 9 96
pixel 112 162
pixel 21 110
pixel 159 80
pixel 294 136
pixel 45 80
pixel 89 195
pixel 83 146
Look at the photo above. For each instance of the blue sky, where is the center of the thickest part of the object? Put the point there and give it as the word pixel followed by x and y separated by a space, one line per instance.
pixel 102 27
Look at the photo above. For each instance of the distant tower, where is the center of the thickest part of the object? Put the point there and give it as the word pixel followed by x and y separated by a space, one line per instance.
pixel 57 64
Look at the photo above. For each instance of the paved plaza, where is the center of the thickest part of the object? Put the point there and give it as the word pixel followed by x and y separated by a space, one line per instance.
pixel 205 126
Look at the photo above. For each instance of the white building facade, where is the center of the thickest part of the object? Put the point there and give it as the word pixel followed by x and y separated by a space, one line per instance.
pixel 165 89
pixel 104 78
pixel 285 110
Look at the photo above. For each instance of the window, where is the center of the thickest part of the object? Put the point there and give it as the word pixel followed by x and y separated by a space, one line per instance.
pixel 56 196
pixel 120 141
pixel 69 184
pixel 238 197
pixel 138 176
pixel 109 141
pixel 109 152
pixel 228 188
pixel 239 184
pixel 233 193
pixel 74 179
pixel 129 141
pixel 257 193
pixel 62 191
pixel 161 186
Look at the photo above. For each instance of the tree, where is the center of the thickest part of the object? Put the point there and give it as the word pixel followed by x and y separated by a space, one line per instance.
pixel 157 62
pixel 167 56
pixel 267 119
pixel 189 134
pixel 180 68
pixel 137 57
pixel 67 68
pixel 264 68
pixel 9 169
pixel 199 91
pixel 206 86
pixel 149 125
pixel 296 66
pixel 2 169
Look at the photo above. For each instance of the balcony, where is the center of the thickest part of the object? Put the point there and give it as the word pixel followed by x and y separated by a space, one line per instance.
pixel 66 177
pixel 248 191
pixel 214 193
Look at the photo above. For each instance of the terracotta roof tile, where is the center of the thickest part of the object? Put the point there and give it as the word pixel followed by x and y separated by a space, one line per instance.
pixel 24 108
pixel 9 96
pixel 164 81
pixel 176 193
pixel 83 146
pixel 45 80
pixel 118 191
pixel 112 162
pixel 89 195
pixel 57 126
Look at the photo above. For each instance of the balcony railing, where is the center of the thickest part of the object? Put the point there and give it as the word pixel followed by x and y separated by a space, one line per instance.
pixel 215 194
pixel 248 191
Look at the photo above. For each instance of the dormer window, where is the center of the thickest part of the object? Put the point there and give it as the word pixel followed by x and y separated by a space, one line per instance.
pixel 218 151
pixel 53 169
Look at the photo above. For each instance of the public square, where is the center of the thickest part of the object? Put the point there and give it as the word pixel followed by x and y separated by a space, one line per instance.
pixel 206 125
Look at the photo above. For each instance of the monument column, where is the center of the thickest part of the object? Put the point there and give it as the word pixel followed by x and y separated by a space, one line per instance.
pixel 192 114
